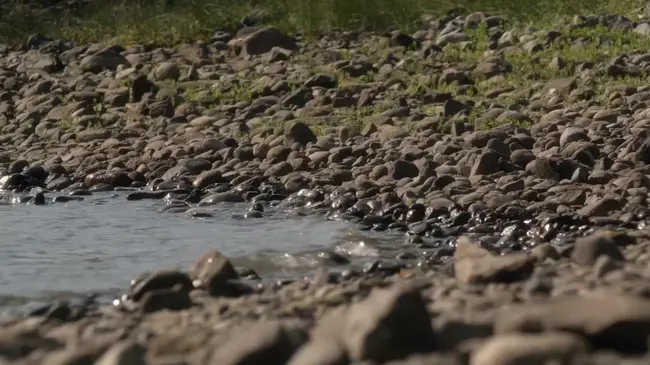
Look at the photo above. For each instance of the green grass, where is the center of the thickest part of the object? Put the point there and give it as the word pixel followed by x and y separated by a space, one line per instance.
pixel 159 22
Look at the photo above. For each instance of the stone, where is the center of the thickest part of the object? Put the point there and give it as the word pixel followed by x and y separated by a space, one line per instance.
pixel 265 342
pixel 212 272
pixel 263 41
pixel 515 349
pixel 602 207
pixel 123 353
pixel 167 71
pixel 320 353
pixel 587 249
pixel 299 132
pixel 475 265
pixel 160 279
pixel 617 322
pixel 106 59
pixel 402 168
pixel 389 324
pixel 486 164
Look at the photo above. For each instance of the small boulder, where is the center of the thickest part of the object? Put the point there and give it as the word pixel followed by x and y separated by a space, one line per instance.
pixel 515 349
pixel 475 265
pixel 587 249
pixel 299 132
pixel 266 342
pixel 167 71
pixel 262 41
pixel 212 272
pixel 390 324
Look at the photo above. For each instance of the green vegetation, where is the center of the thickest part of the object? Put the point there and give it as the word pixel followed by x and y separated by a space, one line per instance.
pixel 173 21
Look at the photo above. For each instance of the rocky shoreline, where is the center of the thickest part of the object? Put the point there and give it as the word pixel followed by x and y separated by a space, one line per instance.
pixel 514 158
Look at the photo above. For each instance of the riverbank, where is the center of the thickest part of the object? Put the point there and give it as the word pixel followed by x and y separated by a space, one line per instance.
pixel 169 22
pixel 512 158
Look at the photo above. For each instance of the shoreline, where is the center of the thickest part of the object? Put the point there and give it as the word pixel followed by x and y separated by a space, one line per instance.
pixel 514 158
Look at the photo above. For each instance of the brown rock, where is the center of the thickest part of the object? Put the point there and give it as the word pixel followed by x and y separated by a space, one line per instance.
pixel 161 279
pixel 212 272
pixel 265 342
pixel 587 249
pixel 533 349
pixel 390 324
pixel 474 265
pixel 615 322
pixel 320 353
pixel 263 40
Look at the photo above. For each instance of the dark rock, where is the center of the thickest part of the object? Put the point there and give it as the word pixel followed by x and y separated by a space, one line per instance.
pixel 402 168
pixel 174 299
pixel 162 279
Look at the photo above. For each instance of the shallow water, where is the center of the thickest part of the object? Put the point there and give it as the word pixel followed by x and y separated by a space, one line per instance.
pixel 96 246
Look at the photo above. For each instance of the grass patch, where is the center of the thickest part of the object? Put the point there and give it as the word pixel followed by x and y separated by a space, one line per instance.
pixel 174 21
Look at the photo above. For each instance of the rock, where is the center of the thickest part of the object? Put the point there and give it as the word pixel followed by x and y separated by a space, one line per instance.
pixel 588 249
pixel 123 353
pixel 402 168
pixel 390 324
pixel 487 163
pixel 320 353
pixel 298 132
pixel 617 322
pixel 572 134
pixel 174 299
pixel 474 265
pixel 602 207
pixel 18 344
pixel 167 71
pixel 207 178
pixel 161 279
pixel 226 197
pixel 89 135
pixel 263 40
pixel 106 59
pixel 212 273
pixel 321 80
pixel 112 178
pixel 515 349
pixel 265 342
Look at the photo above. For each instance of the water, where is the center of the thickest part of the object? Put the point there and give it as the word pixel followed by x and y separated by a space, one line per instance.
pixel 98 245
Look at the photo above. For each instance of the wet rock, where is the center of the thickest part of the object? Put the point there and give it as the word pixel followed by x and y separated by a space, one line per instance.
pixel 207 178
pixel 162 279
pixel 212 273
